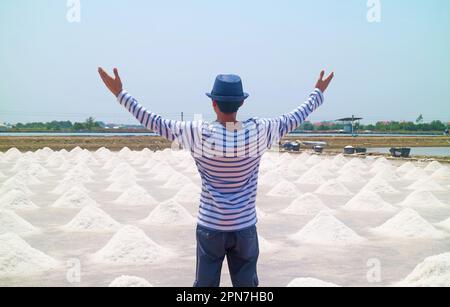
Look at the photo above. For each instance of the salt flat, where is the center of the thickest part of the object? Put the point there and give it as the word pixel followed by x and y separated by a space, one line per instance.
pixel 128 219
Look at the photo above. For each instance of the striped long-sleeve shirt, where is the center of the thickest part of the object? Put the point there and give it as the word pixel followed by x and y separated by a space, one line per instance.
pixel 227 157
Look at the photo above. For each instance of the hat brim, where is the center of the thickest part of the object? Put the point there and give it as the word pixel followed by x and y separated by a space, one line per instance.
pixel 228 98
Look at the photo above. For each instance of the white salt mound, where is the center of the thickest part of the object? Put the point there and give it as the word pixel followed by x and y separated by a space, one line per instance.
pixel 130 245
pixel 333 187
pixel 415 174
pixel 408 224
pixel 176 181
pixel 310 178
pixel 444 224
pixel 14 184
pixel 284 188
pixel 92 219
pixel 432 272
pixel 310 283
pixel 129 282
pixel 122 183
pixel 16 199
pixel 271 178
pixel 18 258
pixel 351 177
pixel 325 229
pixel 433 166
pixel 441 174
pixel 169 213
pixel 422 199
pixel 405 168
pixel 368 201
pixel 265 246
pixel 426 184
pixel 381 186
pixel 188 193
pixel 136 196
pixel 307 204
pixel 11 222
pixel 74 198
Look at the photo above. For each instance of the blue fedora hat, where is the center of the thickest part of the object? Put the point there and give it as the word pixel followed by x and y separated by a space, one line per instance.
pixel 228 88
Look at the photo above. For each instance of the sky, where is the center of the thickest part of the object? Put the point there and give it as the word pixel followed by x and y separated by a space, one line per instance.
pixel 169 52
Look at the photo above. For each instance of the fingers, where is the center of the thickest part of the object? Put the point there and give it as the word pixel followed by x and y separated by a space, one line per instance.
pixel 322 74
pixel 104 74
pixel 330 77
pixel 116 74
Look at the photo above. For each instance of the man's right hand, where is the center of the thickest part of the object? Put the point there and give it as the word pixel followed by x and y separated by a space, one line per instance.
pixel 113 84
pixel 322 84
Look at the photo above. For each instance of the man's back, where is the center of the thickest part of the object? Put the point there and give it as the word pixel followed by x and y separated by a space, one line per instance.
pixel 227 158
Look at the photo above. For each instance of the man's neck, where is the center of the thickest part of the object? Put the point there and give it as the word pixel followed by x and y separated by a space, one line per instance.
pixel 225 119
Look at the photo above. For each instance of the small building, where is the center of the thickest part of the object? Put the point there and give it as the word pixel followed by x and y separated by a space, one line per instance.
pixel 349 124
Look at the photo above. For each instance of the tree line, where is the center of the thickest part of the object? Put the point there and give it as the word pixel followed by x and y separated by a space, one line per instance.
pixel 89 124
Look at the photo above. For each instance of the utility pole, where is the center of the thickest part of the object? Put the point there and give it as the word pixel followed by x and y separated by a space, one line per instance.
pixel 182 116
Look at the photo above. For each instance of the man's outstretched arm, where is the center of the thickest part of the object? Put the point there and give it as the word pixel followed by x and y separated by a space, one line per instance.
pixel 172 130
pixel 278 127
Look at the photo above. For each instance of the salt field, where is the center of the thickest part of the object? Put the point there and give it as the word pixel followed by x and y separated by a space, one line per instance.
pixel 127 219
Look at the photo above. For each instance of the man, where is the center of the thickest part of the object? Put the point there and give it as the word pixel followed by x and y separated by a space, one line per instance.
pixel 227 154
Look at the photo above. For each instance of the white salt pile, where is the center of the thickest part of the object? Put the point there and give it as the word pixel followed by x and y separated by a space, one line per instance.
pixel 444 224
pixel 25 178
pixel 68 183
pixel 340 160
pixel 310 283
pixel 405 168
pixel 129 282
pixel 188 193
pixel 368 201
pixel 284 188
pixel 297 166
pixel 426 184
pixel 92 219
pixel 325 229
pixel 75 198
pixel 271 178
pixel 333 187
pixel 169 213
pixel 415 174
pixel 433 166
pixel 355 164
pixel 122 183
pixel 381 186
pixel 14 184
pixel 441 174
pixel 130 245
pixel 307 204
pixel 351 177
pixel 378 168
pixel 176 181
pixel 432 272
pixel 136 196
pixel 265 246
pixel 387 174
pixel 11 222
pixel 325 169
pixel 18 258
pixel 16 200
pixel 310 177
pixel 422 199
pixel 313 160
pixel 408 224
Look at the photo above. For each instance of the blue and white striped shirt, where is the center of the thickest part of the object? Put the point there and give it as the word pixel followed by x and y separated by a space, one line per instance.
pixel 227 157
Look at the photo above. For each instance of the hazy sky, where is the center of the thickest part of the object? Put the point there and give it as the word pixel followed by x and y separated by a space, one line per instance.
pixel 169 53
